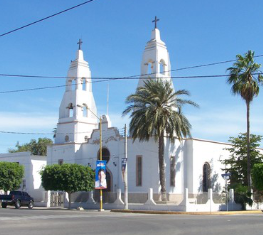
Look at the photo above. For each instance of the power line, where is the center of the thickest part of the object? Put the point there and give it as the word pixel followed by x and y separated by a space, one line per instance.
pixel 25 133
pixel 211 64
pixel 45 133
pixel 120 78
pixel 104 80
pixel 139 75
pixel 48 17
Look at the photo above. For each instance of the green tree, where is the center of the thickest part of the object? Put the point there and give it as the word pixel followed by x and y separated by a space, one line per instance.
pixel 35 147
pixel 236 164
pixel 69 178
pixel 245 80
pixel 11 175
pixel 156 111
pixel 257 176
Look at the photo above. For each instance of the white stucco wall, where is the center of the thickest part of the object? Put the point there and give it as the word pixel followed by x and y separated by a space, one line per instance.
pixel 32 166
pixel 210 152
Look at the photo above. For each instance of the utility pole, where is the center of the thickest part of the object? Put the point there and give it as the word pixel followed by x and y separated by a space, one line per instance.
pixel 126 170
pixel 100 127
pixel 101 203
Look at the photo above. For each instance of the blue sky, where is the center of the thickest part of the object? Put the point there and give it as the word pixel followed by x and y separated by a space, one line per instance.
pixel 115 33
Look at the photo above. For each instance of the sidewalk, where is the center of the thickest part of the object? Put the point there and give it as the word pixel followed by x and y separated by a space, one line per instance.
pixel 189 213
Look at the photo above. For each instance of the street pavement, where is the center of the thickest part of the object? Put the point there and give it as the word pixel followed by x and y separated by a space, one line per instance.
pixel 64 222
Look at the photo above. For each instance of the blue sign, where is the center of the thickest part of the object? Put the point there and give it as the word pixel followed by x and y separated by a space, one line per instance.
pixel 100 175
pixel 123 167
pixel 226 175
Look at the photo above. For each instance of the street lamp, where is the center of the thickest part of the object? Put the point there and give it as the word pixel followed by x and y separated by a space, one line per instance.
pixel 100 127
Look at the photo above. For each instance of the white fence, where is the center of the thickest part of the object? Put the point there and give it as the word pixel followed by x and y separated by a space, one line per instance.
pixel 207 202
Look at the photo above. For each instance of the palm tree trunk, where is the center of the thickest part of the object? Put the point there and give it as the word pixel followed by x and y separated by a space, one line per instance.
pixel 161 167
pixel 248 148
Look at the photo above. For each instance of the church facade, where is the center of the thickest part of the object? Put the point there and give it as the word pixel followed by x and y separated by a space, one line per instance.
pixel 191 163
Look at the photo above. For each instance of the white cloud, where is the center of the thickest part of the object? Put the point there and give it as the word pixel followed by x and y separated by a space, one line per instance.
pixel 16 121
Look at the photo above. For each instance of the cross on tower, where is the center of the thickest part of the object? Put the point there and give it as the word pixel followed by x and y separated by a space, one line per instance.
pixel 155 22
pixel 80 42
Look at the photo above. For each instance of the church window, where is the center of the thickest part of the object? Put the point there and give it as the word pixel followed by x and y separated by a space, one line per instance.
pixel 84 84
pixel 138 170
pixel 172 171
pixel 70 110
pixel 66 138
pixel 105 154
pixel 85 110
pixel 206 177
pixel 60 161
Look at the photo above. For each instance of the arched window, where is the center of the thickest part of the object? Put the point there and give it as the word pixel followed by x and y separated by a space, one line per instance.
pixel 69 85
pixel 105 154
pixel 84 84
pixel 66 138
pixel 73 85
pixel 85 110
pixel 70 110
pixel 206 177
pixel 150 67
pixel 162 67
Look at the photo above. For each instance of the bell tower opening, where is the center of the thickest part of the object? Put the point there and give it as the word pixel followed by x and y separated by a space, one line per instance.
pixel 150 67
pixel 70 110
pixel 162 67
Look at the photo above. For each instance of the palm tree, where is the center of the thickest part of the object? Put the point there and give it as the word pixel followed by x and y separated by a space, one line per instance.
pixel 156 111
pixel 245 78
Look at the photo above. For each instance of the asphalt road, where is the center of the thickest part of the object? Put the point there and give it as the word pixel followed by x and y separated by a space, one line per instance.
pixel 64 222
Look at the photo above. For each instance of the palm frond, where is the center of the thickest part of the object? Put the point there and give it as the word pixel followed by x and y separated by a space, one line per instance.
pixel 155 108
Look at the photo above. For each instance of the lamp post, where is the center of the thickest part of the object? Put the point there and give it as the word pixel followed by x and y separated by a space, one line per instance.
pixel 100 127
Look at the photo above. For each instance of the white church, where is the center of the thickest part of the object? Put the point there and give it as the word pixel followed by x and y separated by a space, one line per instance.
pixel 193 164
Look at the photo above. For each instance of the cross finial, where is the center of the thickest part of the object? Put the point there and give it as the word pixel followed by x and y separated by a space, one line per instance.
pixel 80 42
pixel 155 22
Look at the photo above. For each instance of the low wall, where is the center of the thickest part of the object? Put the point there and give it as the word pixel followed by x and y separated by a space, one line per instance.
pixel 186 203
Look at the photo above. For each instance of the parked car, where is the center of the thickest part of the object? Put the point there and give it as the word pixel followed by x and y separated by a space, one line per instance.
pixel 18 199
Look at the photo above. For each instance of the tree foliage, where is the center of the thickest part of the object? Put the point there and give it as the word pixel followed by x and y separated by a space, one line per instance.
pixel 11 175
pixel 257 176
pixel 35 147
pixel 245 78
pixel 237 164
pixel 69 178
pixel 156 112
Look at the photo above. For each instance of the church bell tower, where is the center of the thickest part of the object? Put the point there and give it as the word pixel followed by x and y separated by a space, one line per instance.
pixel 155 60
pixel 77 112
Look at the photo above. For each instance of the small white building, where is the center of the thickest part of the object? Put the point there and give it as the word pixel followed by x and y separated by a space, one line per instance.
pixel 32 180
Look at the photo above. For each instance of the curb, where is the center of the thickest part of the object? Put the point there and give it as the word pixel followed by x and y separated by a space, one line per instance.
pixel 188 213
